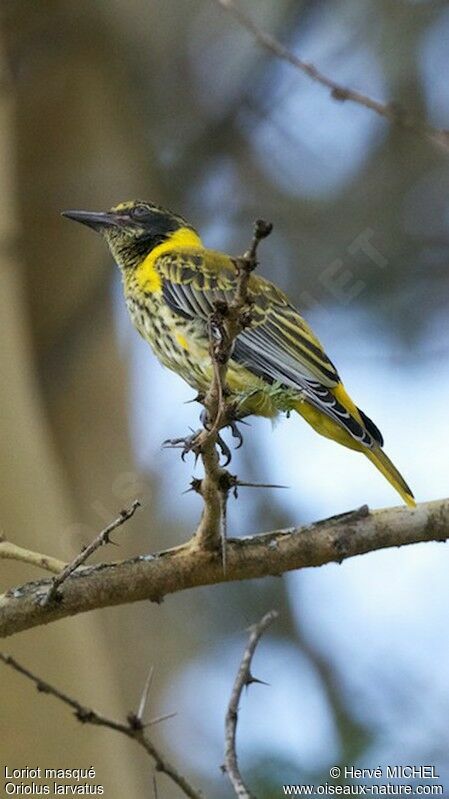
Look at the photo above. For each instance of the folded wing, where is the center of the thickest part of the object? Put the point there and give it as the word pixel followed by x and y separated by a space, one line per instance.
pixel 278 346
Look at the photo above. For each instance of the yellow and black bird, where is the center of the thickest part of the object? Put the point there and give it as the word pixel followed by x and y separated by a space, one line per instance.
pixel 171 284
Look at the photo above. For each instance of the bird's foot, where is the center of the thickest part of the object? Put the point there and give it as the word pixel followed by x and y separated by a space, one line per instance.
pixel 186 444
pixel 193 444
pixel 236 433
pixel 233 423
pixel 196 440
pixel 225 451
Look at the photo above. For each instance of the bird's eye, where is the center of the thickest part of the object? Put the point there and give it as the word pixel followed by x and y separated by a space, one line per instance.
pixel 140 211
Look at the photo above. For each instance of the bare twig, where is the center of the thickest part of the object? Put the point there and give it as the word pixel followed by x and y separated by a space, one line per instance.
pixel 13 552
pixel 87 715
pixel 154 576
pixel 242 680
pixel 100 540
pixel 390 111
pixel 225 325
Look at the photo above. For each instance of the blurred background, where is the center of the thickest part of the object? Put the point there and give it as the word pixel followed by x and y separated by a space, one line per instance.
pixel 175 103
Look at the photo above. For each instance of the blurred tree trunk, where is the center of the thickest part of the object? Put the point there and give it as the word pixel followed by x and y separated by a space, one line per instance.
pixel 63 426
pixel 77 142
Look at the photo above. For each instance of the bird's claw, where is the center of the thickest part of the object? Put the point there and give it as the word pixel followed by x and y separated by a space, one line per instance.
pixel 236 433
pixel 225 451
pixel 186 443
pixel 192 443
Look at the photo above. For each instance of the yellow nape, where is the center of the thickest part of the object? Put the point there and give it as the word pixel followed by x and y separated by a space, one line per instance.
pixel 147 276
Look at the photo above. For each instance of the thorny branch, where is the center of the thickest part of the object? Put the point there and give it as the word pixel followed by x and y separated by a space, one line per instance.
pixel 225 324
pixel 153 576
pixel 100 540
pixel 133 728
pixel 391 111
pixel 243 679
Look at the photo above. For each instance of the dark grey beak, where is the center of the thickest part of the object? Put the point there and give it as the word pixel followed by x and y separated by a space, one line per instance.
pixel 97 220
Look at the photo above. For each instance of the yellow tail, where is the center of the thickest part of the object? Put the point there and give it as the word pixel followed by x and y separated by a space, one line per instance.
pixel 385 466
pixel 326 426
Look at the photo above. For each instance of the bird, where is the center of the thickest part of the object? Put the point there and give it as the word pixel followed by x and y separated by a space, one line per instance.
pixel 172 284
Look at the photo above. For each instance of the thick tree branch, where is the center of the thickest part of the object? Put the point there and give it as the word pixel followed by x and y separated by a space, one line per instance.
pixel 391 111
pixel 243 679
pixel 154 576
pixel 133 728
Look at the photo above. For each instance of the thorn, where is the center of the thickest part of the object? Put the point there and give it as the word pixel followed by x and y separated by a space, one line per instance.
pixel 158 719
pixel 243 484
pixel 145 693
pixel 108 540
pixel 224 524
pixel 198 398
pixel 250 680
pixel 195 485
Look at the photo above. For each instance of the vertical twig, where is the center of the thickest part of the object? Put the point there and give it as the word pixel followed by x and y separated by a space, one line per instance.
pixel 243 679
pixel 228 320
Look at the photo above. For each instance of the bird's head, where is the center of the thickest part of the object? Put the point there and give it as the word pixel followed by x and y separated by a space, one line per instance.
pixel 133 229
